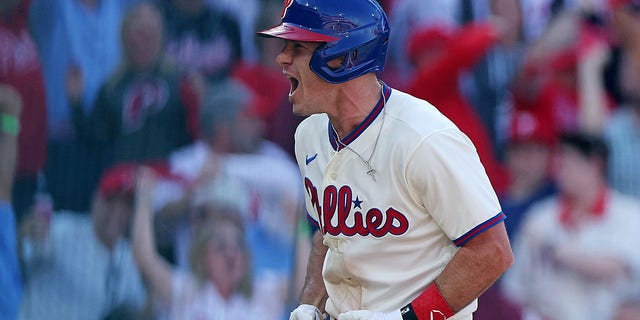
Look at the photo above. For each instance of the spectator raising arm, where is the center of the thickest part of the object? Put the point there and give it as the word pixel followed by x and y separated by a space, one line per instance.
pixel 593 54
pixel 154 269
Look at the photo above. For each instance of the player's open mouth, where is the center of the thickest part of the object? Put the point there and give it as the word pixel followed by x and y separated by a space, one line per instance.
pixel 294 85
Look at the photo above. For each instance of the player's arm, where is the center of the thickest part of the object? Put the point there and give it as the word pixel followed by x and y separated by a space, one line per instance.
pixel 314 291
pixel 314 294
pixel 471 271
pixel 475 267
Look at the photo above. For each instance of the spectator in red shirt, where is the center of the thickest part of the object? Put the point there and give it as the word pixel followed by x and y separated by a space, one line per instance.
pixel 441 55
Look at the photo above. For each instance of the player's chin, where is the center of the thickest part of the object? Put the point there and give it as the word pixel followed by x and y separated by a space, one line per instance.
pixel 295 102
pixel 297 110
pixel 300 109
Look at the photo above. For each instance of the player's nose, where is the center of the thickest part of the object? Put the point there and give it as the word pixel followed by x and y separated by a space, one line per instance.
pixel 284 58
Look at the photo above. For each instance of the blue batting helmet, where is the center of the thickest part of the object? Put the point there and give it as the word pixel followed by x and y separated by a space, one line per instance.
pixel 356 31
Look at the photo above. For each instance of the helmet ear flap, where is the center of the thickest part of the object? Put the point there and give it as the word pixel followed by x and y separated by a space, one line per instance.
pixel 361 53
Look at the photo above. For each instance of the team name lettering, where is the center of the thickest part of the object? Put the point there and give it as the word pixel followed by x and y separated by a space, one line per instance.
pixel 338 203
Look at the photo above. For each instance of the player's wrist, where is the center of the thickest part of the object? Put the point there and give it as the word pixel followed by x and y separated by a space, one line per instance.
pixel 429 305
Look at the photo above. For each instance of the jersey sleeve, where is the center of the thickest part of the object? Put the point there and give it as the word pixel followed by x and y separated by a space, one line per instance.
pixel 445 175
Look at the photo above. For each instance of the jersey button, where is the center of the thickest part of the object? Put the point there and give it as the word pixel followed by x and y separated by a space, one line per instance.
pixel 334 176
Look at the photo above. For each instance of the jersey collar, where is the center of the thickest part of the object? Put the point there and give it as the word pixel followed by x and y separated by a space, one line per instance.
pixel 377 110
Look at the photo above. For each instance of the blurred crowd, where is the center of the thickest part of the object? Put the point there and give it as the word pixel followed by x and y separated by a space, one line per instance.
pixel 147 169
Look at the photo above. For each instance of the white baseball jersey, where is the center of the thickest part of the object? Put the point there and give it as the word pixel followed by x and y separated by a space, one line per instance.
pixel 389 238
pixel 554 291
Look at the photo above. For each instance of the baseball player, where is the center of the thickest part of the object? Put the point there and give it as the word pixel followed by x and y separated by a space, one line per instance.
pixel 408 224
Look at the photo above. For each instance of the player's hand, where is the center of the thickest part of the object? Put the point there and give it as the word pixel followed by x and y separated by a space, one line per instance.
pixel 305 312
pixel 370 315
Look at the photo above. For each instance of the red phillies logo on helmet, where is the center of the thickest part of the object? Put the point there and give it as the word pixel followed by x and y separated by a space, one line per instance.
pixel 286 5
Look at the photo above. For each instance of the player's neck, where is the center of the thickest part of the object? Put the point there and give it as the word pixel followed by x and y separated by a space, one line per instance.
pixel 354 103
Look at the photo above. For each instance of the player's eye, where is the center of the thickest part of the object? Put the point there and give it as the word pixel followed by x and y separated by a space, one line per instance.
pixel 299 46
pixel 292 45
pixel 285 44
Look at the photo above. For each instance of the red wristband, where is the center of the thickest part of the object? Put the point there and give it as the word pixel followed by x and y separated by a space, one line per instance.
pixel 430 305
